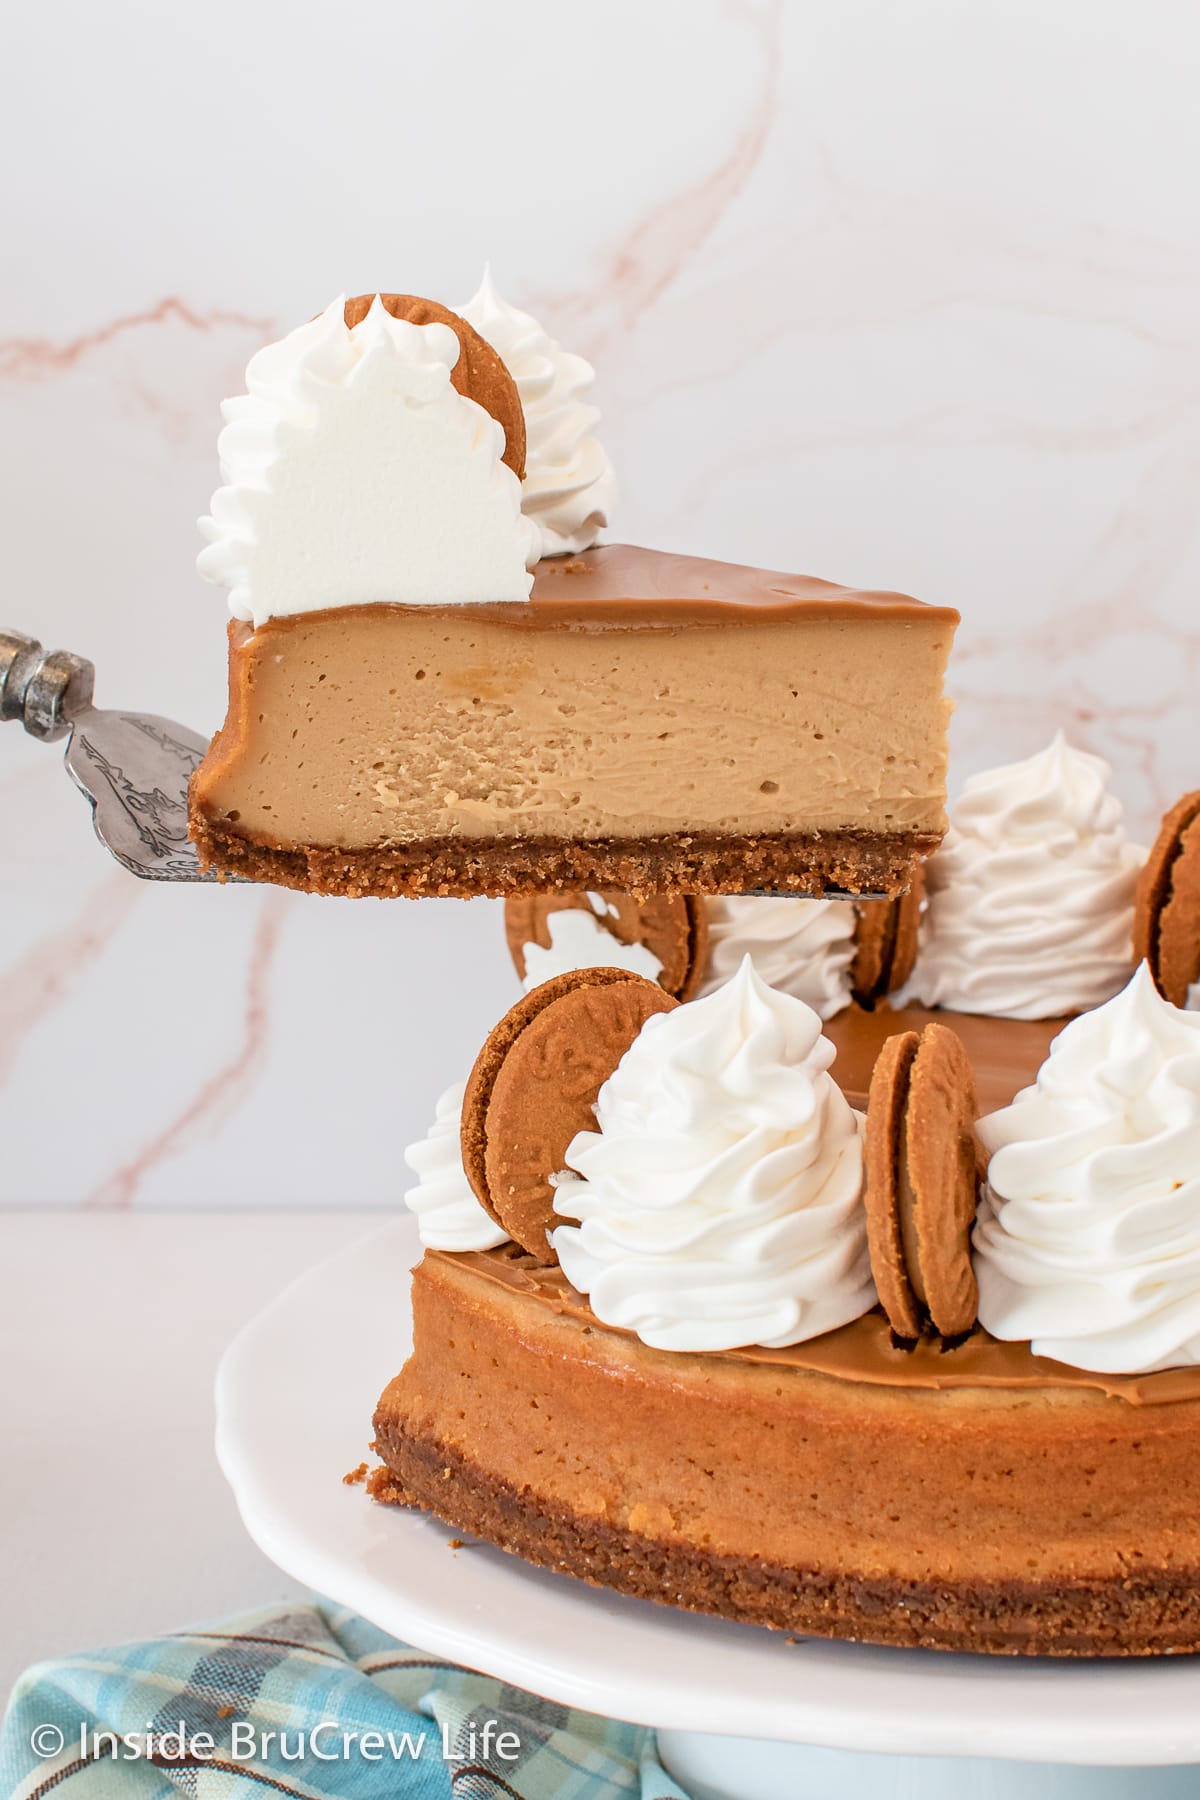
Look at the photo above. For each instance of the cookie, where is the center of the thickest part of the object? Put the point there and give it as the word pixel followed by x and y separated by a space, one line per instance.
pixel 673 927
pixel 479 373
pixel 534 1085
pixel 882 1150
pixel 922 1173
pixel 1166 917
pixel 885 942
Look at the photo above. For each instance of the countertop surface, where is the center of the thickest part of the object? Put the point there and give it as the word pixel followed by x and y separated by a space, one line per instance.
pixel 118 1520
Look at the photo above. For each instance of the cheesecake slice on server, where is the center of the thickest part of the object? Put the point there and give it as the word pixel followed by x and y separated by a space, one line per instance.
pixel 440 685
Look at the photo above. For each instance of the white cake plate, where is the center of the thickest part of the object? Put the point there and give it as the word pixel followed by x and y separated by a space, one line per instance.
pixel 295 1393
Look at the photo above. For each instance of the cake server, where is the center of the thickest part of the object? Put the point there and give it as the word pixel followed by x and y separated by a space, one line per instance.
pixel 133 768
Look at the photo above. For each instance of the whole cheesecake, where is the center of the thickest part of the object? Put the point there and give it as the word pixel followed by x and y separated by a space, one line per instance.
pixel 972 1498
pixel 750 1352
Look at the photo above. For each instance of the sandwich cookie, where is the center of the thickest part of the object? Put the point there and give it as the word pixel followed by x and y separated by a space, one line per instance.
pixel 1166 919
pixel 885 942
pixel 922 1183
pixel 534 1086
pixel 663 937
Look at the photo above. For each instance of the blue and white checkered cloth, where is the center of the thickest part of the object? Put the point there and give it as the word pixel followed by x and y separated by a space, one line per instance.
pixel 309 1702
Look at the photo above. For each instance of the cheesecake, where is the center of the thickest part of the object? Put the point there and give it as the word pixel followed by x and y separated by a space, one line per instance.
pixel 440 683
pixel 645 722
pixel 982 1499
pixel 738 1349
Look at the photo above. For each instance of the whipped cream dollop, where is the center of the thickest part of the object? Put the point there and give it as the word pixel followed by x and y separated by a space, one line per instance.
pixel 569 488
pixel 580 940
pixel 720 1200
pixel 449 1217
pixel 1031 895
pixel 355 473
pixel 1088 1237
pixel 802 947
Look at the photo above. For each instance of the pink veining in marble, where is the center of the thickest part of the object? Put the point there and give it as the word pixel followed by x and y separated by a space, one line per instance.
pixel 35 358
pixel 228 1087
pixel 46 976
pixel 648 257
pixel 757 333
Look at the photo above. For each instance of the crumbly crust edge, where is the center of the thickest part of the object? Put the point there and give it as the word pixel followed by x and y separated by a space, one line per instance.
pixel 681 863
pixel 1152 1612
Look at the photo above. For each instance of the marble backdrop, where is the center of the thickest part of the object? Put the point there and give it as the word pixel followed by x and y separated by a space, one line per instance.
pixel 902 295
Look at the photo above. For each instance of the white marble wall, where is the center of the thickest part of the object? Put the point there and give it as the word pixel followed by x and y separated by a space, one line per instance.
pixel 904 295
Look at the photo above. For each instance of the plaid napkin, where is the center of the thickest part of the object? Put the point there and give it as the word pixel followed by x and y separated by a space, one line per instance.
pixel 307 1701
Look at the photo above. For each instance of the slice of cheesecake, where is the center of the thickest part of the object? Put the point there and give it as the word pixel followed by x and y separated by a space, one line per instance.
pixel 647 722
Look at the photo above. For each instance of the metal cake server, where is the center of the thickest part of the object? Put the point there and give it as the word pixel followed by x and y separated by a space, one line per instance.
pixel 133 768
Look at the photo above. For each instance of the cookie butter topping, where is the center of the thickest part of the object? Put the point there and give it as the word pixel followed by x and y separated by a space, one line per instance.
pixel 1088 1240
pixel 449 1217
pixel 569 486
pixel 580 940
pixel 719 1203
pixel 355 473
pixel 1031 895
pixel 801 947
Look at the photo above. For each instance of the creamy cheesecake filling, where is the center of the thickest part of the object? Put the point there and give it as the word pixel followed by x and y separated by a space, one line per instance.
pixel 390 725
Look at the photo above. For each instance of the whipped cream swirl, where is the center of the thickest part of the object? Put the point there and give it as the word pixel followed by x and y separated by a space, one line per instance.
pixel 581 940
pixel 1031 895
pixel 720 1201
pixel 1088 1239
pixel 802 947
pixel 569 488
pixel 355 473
pixel 449 1217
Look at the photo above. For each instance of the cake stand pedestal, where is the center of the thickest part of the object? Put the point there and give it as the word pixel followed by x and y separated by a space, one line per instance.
pixel 813 1719
pixel 726 1768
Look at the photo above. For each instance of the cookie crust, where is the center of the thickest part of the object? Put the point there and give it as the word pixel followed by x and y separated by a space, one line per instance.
pixel 691 863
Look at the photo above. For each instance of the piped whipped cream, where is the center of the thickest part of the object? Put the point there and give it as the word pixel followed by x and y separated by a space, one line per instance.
pixel 719 1202
pixel 1031 895
pixel 802 947
pixel 580 940
pixel 1088 1237
pixel 569 489
pixel 355 473
pixel 449 1217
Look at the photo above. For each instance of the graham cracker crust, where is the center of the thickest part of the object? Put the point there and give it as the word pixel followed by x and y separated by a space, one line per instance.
pixel 1152 1612
pixel 703 863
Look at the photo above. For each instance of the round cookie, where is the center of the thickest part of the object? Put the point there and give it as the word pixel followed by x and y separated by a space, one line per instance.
pixel 479 373
pixel 1179 925
pixel 939 1180
pixel 922 1172
pixel 534 1085
pixel 885 942
pixel 882 1148
pixel 1166 919
pixel 673 927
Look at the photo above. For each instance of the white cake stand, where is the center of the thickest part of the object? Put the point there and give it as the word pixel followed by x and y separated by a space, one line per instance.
pixel 295 1394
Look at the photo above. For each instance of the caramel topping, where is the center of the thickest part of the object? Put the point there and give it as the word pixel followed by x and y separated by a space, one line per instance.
pixel 621 587
pixel 865 1351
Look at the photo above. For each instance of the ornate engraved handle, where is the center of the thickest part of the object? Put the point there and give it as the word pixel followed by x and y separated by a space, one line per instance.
pixel 45 690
